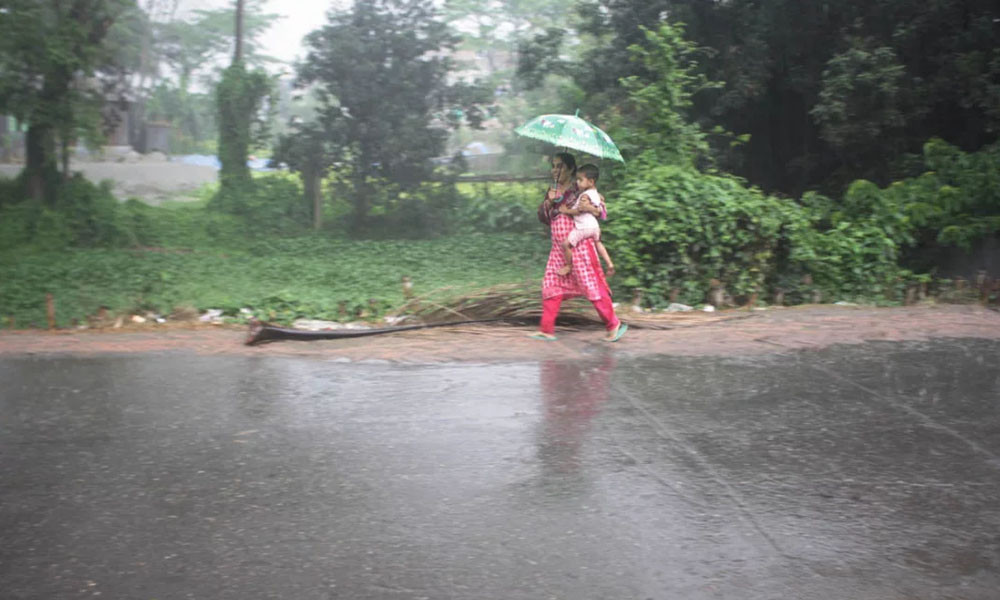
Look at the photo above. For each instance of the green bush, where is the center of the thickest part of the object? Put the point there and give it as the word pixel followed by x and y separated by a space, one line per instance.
pixel 496 207
pixel 82 215
pixel 957 202
pixel 676 228
pixel 845 251
pixel 10 191
pixel 90 211
pixel 270 204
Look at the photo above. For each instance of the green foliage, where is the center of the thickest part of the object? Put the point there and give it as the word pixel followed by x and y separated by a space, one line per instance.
pixel 196 45
pixel 279 279
pixel 829 92
pixel 82 215
pixel 676 228
pixel 655 127
pixel 240 98
pixel 192 118
pixel 958 200
pixel 850 253
pixel 381 49
pixel 493 207
pixel 861 101
pixel 273 205
pixel 61 62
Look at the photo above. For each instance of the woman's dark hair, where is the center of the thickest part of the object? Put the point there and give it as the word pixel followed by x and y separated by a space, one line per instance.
pixel 567 159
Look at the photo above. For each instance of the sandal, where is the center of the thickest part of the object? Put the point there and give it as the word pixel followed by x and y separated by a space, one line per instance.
pixel 538 335
pixel 622 328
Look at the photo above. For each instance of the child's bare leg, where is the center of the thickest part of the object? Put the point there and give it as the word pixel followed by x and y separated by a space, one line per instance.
pixel 568 256
pixel 605 257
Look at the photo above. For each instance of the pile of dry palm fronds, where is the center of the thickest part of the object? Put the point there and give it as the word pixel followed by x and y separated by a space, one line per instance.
pixel 522 303
pixel 512 302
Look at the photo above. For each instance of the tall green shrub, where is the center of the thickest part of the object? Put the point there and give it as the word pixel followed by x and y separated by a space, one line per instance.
pixel 240 97
pixel 677 228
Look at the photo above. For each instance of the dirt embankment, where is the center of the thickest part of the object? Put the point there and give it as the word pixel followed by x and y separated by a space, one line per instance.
pixel 694 334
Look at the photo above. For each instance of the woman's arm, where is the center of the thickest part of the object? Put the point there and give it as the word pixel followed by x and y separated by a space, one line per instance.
pixel 545 211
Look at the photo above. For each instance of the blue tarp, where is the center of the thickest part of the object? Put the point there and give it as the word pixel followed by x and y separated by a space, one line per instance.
pixel 206 160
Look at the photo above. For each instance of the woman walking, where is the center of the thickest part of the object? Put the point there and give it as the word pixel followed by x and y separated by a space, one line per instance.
pixel 586 278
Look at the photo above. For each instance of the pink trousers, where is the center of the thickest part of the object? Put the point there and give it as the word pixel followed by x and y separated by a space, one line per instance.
pixel 550 310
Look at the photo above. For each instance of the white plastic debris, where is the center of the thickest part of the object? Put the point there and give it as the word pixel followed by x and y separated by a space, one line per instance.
pixel 138 319
pixel 316 324
pixel 393 319
pixel 246 311
pixel 844 303
pixel 211 315
pixel 678 307
pixel 708 308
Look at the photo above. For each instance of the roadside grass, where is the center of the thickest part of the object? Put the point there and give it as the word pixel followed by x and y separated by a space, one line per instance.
pixel 279 279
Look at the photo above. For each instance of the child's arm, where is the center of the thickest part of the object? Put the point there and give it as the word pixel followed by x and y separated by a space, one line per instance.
pixel 566 210
pixel 589 207
pixel 582 205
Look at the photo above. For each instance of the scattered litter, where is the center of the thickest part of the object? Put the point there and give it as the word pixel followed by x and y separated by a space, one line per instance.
pixel 316 324
pixel 708 308
pixel 138 319
pixel 843 303
pixel 678 307
pixel 393 319
pixel 212 315
pixel 160 320
pixel 246 311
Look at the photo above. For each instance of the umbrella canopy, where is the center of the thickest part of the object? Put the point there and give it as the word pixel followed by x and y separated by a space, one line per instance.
pixel 572 132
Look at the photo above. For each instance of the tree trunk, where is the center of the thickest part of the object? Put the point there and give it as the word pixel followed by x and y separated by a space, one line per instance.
pixel 64 151
pixel 361 201
pixel 40 170
pixel 312 182
pixel 238 52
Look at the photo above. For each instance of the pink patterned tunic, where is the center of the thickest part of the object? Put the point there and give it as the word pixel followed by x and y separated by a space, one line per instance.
pixel 586 279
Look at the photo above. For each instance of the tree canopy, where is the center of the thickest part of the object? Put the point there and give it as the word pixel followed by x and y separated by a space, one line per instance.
pixel 382 74
pixel 61 62
pixel 826 91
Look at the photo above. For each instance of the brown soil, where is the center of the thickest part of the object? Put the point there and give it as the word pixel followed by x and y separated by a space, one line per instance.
pixel 723 333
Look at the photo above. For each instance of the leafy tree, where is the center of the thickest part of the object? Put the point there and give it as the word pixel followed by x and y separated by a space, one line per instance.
pixel 903 70
pixel 659 129
pixel 240 97
pixel 306 150
pixel 59 69
pixel 196 46
pixel 861 101
pixel 493 28
pixel 382 74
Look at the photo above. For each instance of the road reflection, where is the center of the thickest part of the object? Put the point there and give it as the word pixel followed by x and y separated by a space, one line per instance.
pixel 573 393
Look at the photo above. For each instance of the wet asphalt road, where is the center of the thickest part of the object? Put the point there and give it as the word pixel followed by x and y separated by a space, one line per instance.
pixel 858 472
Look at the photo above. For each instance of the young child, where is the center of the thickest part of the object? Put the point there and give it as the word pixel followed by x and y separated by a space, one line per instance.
pixel 584 218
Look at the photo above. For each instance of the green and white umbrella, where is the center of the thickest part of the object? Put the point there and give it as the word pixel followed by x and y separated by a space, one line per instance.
pixel 570 131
